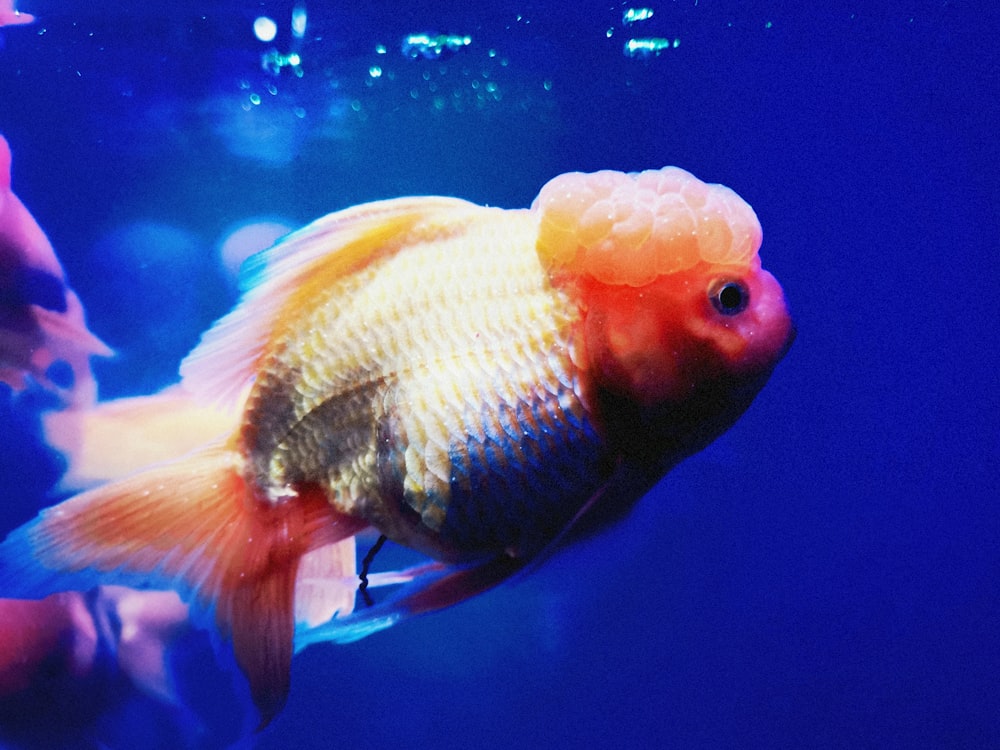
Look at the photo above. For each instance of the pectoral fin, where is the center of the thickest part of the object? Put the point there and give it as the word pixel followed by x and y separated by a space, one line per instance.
pixel 427 588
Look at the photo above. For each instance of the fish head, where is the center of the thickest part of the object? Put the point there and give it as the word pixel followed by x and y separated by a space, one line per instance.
pixel 680 325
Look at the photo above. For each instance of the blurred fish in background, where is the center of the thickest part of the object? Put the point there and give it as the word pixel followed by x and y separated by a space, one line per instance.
pixel 114 667
pixel 43 334
pixel 110 661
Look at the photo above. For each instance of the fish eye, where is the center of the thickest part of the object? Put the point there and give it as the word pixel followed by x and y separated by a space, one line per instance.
pixel 729 297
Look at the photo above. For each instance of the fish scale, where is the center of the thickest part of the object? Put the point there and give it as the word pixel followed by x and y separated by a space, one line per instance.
pixel 487 341
pixel 491 469
pixel 516 487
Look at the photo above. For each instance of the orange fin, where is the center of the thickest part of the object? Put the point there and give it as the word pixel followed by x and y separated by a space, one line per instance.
pixel 116 438
pixel 193 525
pixel 313 257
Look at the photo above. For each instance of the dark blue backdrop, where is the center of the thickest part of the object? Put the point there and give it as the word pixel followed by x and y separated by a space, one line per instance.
pixel 825 574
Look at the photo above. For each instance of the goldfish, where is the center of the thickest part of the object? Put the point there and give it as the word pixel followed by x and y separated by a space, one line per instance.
pixel 41 318
pixel 471 383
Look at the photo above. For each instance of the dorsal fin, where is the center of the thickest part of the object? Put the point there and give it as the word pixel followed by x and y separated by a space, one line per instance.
pixel 225 360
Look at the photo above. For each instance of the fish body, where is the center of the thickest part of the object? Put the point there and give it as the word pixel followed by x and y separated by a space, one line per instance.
pixel 41 318
pixel 465 381
pixel 433 393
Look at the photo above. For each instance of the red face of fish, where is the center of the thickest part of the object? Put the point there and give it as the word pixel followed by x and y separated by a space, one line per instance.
pixel 661 341
pixel 681 324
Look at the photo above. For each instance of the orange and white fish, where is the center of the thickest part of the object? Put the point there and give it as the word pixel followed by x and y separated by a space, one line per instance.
pixel 41 318
pixel 468 382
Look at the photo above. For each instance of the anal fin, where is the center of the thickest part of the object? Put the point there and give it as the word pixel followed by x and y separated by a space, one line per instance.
pixel 326 584
pixel 426 588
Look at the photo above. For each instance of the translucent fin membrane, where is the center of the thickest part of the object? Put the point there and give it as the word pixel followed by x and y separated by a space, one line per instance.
pixel 631 228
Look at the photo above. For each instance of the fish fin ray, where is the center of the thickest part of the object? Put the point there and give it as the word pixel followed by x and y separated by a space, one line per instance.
pixel 312 257
pixel 427 588
pixel 192 525
pixel 326 583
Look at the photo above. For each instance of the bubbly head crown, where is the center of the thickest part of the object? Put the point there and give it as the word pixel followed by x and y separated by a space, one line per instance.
pixel 631 228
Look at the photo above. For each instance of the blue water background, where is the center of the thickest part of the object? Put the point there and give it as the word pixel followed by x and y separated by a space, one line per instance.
pixel 825 575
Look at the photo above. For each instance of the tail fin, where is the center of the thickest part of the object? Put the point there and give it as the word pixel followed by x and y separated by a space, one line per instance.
pixel 194 525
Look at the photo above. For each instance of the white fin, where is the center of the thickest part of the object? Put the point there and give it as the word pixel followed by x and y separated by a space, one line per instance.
pixel 326 583
pixel 116 438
